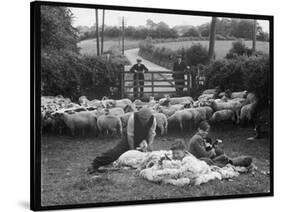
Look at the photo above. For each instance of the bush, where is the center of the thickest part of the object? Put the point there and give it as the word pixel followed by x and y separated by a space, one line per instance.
pixel 238 49
pixel 196 54
pixel 220 37
pixel 242 73
pixel 71 75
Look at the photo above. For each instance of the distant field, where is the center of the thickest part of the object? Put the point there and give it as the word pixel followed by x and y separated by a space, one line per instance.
pixel 88 47
pixel 221 47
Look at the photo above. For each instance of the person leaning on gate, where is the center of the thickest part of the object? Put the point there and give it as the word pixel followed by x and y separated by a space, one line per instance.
pixel 141 126
pixel 138 69
pixel 179 66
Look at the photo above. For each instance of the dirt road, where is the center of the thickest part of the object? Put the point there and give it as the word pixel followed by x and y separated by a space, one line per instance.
pixel 132 55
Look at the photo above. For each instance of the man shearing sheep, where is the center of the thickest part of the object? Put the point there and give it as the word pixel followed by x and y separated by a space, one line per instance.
pixel 141 126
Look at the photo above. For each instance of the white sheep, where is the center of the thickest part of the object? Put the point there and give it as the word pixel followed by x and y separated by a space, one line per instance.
pixel 116 111
pixel 83 100
pixel 122 103
pixel 177 100
pixel 222 115
pixel 247 112
pixel 251 98
pixel 109 124
pixel 78 121
pixel 124 119
pixel 205 97
pixel 162 122
pixel 230 105
pixel 168 111
pixel 209 91
pixel 240 94
pixel 180 117
pixel 209 112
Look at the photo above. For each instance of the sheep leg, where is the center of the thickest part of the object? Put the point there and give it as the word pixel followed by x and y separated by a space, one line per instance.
pixel 162 130
pixel 166 130
pixel 181 125
pixel 72 132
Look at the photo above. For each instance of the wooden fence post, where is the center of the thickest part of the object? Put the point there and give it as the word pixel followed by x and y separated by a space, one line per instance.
pixel 122 69
pixel 152 83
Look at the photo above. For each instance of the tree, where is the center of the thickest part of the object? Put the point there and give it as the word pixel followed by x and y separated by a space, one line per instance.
pixel 150 24
pixel 204 30
pixel 212 39
pixel 242 29
pixel 56 29
pixel 192 32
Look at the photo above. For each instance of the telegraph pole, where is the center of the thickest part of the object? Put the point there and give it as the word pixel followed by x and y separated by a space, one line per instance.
pixel 97 33
pixel 123 34
pixel 102 31
pixel 254 35
pixel 212 38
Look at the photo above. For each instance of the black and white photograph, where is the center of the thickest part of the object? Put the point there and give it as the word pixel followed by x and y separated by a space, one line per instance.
pixel 142 105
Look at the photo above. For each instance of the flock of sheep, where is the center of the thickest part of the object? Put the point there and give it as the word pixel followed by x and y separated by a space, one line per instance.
pixel 108 116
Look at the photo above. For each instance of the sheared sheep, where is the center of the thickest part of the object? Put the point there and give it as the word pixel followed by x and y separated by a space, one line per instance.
pixel 198 115
pixel 83 100
pixel 177 100
pixel 181 117
pixel 247 112
pixel 124 120
pixel 122 103
pixel 162 122
pixel 116 111
pixel 109 124
pixel 78 121
pixel 166 110
pixel 205 97
pixel 130 108
pixel 241 94
pixel 223 115
pixel 251 98
pixel 235 106
pixel 209 112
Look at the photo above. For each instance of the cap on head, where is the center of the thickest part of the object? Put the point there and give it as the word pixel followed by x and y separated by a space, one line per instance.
pixel 138 60
pixel 179 56
pixel 144 115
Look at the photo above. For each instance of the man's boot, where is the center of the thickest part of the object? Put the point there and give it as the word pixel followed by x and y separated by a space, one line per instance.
pixel 242 161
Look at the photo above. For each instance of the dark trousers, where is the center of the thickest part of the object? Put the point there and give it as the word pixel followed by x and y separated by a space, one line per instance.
pixel 139 82
pixel 219 160
pixel 179 86
pixel 112 154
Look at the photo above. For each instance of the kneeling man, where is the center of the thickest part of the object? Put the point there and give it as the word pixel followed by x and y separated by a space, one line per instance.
pixel 141 126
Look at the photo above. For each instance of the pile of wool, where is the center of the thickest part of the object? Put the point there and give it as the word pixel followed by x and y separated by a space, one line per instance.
pixel 181 173
pixel 158 166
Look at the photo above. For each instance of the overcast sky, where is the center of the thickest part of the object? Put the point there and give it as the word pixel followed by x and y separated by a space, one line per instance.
pixel 86 17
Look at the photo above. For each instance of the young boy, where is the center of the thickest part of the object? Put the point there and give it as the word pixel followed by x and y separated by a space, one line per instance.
pixel 178 149
pixel 199 148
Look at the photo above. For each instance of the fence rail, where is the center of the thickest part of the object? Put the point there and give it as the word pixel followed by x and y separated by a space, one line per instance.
pixel 159 82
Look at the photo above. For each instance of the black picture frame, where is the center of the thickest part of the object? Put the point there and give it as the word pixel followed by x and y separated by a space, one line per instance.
pixel 35 79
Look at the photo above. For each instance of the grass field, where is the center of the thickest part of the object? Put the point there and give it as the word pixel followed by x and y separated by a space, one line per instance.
pixel 221 47
pixel 88 47
pixel 65 159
